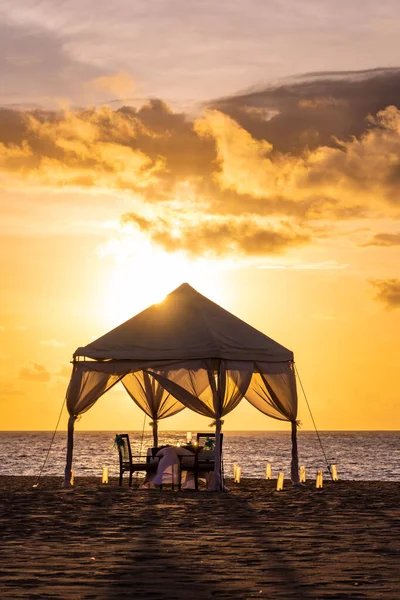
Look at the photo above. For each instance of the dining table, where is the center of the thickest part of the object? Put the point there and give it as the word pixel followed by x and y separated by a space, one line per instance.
pixel 169 466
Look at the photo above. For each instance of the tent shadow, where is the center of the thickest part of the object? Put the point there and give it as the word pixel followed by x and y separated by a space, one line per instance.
pixel 199 545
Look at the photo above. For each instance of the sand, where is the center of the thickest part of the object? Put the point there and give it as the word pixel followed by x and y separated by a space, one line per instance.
pixel 102 541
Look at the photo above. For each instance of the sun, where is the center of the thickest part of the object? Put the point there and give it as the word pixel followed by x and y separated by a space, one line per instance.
pixel 141 274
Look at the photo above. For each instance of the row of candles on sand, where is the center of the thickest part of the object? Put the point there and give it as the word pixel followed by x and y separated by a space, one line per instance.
pixel 237 473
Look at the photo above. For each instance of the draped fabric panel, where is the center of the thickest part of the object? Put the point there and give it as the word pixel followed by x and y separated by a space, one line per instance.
pixel 210 388
pixel 272 390
pixel 86 387
pixel 152 398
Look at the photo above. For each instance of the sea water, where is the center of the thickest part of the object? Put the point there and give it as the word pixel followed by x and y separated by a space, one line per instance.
pixel 358 455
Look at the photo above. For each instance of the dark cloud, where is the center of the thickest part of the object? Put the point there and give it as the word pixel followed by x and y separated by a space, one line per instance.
pixel 384 239
pixel 35 372
pixel 388 291
pixel 315 109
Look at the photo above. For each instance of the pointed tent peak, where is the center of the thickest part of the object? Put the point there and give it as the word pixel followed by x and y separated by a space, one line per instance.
pixel 185 325
pixel 186 289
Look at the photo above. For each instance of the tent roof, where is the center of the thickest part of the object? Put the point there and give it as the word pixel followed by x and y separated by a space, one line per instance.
pixel 186 325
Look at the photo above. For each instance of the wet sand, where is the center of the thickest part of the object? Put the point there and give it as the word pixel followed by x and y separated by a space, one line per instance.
pixel 102 541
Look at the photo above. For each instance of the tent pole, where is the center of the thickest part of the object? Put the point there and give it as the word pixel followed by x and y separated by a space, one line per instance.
pixel 155 433
pixel 217 484
pixel 70 448
pixel 294 468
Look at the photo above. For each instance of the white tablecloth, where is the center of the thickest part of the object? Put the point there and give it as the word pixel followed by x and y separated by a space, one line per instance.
pixel 168 468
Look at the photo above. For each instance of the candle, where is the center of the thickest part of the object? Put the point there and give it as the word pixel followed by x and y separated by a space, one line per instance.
pixel 178 445
pixel 238 474
pixel 235 466
pixel 72 477
pixel 319 480
pixel 104 476
pixel 268 471
pixel 334 473
pixel 279 482
pixel 302 474
pixel 188 437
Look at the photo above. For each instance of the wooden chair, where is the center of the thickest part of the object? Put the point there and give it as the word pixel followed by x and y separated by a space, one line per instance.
pixel 204 458
pixel 127 464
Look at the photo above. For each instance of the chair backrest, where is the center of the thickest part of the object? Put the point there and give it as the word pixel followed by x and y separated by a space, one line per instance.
pixel 207 442
pixel 124 448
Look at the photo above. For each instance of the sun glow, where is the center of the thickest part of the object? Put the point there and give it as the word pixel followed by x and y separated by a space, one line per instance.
pixel 142 274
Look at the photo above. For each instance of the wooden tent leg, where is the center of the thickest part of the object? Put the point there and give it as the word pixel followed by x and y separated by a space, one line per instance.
pixel 294 467
pixel 70 449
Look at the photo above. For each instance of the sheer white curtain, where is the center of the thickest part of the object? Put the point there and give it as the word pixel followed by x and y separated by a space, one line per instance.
pixel 84 389
pixel 152 398
pixel 272 391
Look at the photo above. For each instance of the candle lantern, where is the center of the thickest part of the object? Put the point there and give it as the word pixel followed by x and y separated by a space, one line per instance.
pixel 238 474
pixel 268 471
pixel 71 481
pixel 235 466
pixel 104 476
pixel 178 445
pixel 302 474
pixel 319 481
pixel 279 483
pixel 334 473
pixel 188 437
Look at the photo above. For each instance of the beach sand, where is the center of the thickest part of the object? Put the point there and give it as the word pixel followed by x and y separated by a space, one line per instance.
pixel 102 541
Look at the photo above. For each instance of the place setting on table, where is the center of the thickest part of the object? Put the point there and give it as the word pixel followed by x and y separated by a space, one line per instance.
pixel 183 465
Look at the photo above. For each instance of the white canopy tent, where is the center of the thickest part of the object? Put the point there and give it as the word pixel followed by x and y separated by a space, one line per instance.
pixel 186 352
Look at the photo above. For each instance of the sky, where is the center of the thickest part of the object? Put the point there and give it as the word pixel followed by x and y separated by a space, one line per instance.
pixel 249 149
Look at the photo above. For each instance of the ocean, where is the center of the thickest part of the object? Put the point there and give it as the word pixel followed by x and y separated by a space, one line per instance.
pixel 359 455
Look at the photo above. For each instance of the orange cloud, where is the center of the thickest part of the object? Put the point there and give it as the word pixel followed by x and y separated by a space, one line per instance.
pixel 388 291
pixel 220 236
pixel 384 239
pixel 35 372
pixel 120 85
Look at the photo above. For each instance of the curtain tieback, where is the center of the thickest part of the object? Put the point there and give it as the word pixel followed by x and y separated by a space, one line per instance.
pixel 213 424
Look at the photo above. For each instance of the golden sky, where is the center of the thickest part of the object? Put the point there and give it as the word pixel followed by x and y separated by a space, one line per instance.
pixel 131 161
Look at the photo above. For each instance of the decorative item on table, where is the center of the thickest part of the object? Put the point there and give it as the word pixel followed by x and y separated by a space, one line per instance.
pixel 71 480
pixel 119 442
pixel 189 437
pixel 302 474
pixel 235 466
pixel 279 483
pixel 104 475
pixel 334 473
pixel 319 480
pixel 209 444
pixel 268 471
pixel 178 444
